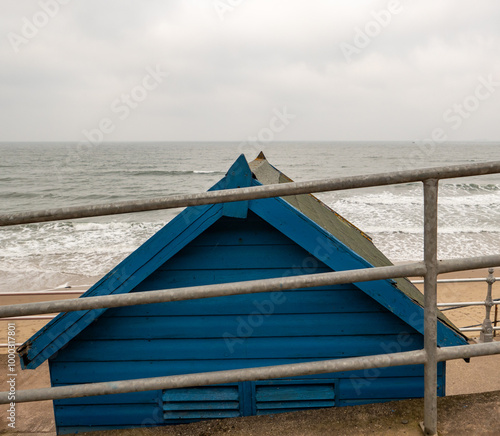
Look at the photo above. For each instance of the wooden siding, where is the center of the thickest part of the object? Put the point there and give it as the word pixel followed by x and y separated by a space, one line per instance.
pixel 234 332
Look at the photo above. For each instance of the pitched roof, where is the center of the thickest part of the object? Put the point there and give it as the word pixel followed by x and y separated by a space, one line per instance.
pixel 303 218
pixel 338 226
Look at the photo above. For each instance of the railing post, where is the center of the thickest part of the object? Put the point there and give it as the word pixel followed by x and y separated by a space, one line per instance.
pixel 496 320
pixel 487 332
pixel 430 305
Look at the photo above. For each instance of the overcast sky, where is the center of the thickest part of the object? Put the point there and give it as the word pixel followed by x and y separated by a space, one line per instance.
pixel 232 69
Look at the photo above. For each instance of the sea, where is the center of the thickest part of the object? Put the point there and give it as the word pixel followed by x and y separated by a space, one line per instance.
pixel 75 253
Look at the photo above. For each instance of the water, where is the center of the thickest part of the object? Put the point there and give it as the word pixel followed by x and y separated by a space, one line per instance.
pixel 49 255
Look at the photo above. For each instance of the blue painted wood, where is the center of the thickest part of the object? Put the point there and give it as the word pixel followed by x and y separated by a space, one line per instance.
pixel 123 278
pixel 222 401
pixel 201 414
pixel 276 396
pixel 442 374
pixel 105 414
pixel 247 403
pixel 275 411
pixel 76 429
pixel 238 176
pixel 194 277
pixel 296 302
pixel 339 257
pixel 202 405
pixel 289 392
pixel 147 397
pixel 321 347
pixel 344 403
pixel 277 407
pixel 205 393
pixel 231 231
pixel 258 324
pixel 380 387
pixel 67 372
pixel 243 257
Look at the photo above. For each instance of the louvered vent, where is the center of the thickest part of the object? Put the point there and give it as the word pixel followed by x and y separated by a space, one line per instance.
pixel 202 402
pixel 278 396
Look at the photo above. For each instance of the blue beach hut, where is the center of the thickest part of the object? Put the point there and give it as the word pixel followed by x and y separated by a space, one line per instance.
pixel 221 243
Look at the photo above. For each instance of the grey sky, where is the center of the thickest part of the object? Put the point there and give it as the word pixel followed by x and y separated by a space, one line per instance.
pixel 232 64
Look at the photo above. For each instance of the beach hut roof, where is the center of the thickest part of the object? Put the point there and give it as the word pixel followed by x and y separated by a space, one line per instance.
pixel 358 241
pixel 302 218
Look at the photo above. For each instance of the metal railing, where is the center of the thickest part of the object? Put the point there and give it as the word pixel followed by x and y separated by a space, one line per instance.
pixel 484 327
pixel 488 328
pixel 429 269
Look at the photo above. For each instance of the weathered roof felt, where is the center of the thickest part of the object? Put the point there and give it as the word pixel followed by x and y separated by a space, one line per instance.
pixel 302 218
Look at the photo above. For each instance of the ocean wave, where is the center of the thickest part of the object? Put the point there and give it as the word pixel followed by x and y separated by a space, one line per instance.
pixel 489 198
pixel 471 187
pixel 77 239
pixel 163 173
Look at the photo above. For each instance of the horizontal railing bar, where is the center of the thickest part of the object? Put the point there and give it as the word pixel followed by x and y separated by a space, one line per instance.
pixel 34 293
pixel 249 374
pixel 463 304
pixel 216 377
pixel 468 351
pixel 473 280
pixel 218 290
pixel 238 288
pixel 466 263
pixel 475 329
pixel 276 190
pixel 27 318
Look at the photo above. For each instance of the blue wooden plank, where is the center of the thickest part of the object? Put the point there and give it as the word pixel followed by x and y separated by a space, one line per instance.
pixel 238 176
pixel 147 397
pixel 293 392
pixel 302 301
pixel 204 393
pixel 194 277
pixel 123 278
pixel 72 372
pixel 344 403
pixel 233 231
pixel 321 347
pixel 201 414
pixel 243 257
pixel 339 257
pixel 255 324
pixel 411 387
pixel 287 410
pixel 276 406
pixel 201 405
pixel 102 414
pixel 77 429
pixel 442 373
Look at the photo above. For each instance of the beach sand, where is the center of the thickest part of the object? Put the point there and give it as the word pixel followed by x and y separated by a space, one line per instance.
pixel 480 375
